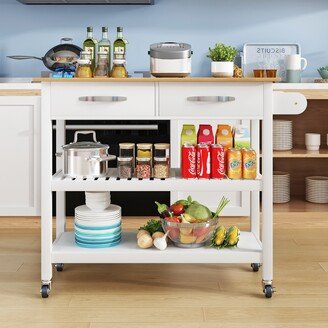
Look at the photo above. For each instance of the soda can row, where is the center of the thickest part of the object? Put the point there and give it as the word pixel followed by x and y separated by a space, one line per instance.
pixel 241 164
pixel 203 161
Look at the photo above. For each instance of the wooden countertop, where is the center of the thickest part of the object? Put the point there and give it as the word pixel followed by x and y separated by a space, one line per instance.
pixel 163 79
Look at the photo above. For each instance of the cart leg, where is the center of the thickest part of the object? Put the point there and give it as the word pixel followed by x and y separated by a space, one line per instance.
pixel 46 194
pixel 267 207
pixel 60 195
pixel 255 195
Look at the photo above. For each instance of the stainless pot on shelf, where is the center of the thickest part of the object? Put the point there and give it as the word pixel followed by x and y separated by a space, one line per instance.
pixel 85 159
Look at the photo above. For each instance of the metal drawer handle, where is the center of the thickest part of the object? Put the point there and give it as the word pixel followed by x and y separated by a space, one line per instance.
pixel 214 99
pixel 103 99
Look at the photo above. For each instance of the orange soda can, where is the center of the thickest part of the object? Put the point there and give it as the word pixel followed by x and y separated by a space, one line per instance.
pixel 234 163
pixel 249 164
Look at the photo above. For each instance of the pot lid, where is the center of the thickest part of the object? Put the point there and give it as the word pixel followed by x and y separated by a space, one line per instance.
pixel 85 145
pixel 170 50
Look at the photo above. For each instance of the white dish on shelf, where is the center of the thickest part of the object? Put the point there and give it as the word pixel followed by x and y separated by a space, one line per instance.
pixel 110 210
pixel 98 225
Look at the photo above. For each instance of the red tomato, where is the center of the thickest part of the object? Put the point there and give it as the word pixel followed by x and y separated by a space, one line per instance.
pixel 177 209
pixel 200 231
pixel 173 219
pixel 174 233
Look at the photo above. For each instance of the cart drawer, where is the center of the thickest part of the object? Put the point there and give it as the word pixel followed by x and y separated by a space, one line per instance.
pixel 201 100
pixel 102 100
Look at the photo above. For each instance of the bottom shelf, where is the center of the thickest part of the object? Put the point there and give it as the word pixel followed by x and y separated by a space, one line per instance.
pixel 65 250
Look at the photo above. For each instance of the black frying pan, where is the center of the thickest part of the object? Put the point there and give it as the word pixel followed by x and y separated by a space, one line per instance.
pixel 60 57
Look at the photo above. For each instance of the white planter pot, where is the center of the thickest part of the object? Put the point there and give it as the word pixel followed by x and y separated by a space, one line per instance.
pixel 222 69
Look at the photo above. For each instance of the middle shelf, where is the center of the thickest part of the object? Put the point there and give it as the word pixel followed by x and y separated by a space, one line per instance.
pixel 111 182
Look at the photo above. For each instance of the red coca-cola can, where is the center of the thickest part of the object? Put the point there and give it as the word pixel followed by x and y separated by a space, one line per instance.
pixel 188 161
pixel 218 161
pixel 203 161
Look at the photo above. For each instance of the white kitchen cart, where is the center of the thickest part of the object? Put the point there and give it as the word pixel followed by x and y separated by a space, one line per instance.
pixel 170 99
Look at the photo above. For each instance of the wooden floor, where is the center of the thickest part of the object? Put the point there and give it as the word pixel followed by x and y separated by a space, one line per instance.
pixel 172 296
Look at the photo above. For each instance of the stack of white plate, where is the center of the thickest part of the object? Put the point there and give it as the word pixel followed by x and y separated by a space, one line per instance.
pixel 97 200
pixel 282 135
pixel 97 229
pixel 281 187
pixel 316 189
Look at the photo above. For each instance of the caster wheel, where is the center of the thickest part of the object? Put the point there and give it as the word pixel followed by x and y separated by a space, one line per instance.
pixel 255 267
pixel 45 290
pixel 59 267
pixel 268 291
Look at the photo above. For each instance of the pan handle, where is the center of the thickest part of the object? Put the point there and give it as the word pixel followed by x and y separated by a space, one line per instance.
pixel 101 159
pixel 19 57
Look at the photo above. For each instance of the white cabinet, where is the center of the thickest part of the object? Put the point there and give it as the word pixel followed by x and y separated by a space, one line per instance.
pixel 20 155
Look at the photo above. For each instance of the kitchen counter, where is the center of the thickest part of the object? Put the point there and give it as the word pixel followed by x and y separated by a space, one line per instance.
pixel 18 87
pixel 162 79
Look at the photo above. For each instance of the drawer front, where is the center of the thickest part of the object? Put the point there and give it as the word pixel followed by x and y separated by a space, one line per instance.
pixel 234 100
pixel 102 100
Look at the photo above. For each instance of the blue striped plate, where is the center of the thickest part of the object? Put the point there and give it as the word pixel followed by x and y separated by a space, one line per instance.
pixel 97 232
pixel 97 237
pixel 105 245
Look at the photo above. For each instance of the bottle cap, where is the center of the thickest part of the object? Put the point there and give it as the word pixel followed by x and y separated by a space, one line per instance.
pixel 90 29
pixel 105 29
pixel 120 29
pixel 118 61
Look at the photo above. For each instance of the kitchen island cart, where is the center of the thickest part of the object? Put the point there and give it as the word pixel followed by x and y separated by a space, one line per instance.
pixel 177 100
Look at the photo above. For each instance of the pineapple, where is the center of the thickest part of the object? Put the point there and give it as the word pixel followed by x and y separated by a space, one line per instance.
pixel 219 237
pixel 232 237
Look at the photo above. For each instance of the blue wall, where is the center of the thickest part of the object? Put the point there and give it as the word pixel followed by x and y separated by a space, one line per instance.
pixel 32 30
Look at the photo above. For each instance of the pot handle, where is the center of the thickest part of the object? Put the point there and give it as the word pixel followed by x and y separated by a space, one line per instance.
pixel 101 159
pixel 66 40
pixel 85 132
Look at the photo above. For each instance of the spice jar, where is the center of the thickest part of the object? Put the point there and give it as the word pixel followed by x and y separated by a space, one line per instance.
pixel 145 150
pixel 84 69
pixel 126 149
pixel 143 167
pixel 162 150
pixel 119 70
pixel 101 69
pixel 125 167
pixel 161 168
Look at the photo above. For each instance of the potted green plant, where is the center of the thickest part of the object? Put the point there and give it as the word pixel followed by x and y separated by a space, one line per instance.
pixel 223 57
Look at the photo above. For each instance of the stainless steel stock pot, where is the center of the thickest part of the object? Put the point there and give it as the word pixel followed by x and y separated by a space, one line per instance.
pixel 85 159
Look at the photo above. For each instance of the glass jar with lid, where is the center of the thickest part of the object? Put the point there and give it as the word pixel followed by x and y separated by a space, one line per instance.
pixel 119 70
pixel 127 149
pixel 161 167
pixel 162 150
pixel 145 150
pixel 84 69
pixel 101 69
pixel 125 167
pixel 143 167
